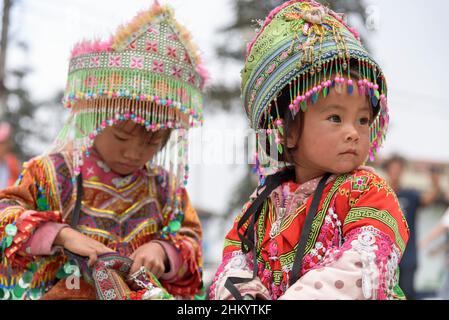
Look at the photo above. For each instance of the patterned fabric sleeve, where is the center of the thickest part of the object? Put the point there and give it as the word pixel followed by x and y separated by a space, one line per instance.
pixel 374 235
pixel 236 264
pixel 339 279
pixel 377 229
pixel 23 209
pixel 187 241
pixel 41 243
pixel 363 268
pixel 174 259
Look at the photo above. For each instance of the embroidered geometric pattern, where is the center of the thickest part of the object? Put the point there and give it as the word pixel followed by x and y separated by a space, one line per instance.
pixel 360 183
pixel 357 214
pixel 319 219
pixel 275 255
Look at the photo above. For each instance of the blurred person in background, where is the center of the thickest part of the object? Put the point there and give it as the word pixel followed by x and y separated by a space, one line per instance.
pixel 411 201
pixel 442 228
pixel 9 165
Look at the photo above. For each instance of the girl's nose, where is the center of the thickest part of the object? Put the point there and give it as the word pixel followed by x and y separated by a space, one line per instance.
pixel 133 151
pixel 352 134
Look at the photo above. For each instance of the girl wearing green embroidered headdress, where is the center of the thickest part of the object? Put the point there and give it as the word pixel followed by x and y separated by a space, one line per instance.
pixel 105 214
pixel 321 225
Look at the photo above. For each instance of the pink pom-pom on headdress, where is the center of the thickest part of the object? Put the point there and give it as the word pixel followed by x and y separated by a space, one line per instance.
pixel 86 47
pixel 204 74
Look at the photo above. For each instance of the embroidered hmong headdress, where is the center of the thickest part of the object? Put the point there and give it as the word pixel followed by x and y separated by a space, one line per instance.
pixel 307 49
pixel 149 72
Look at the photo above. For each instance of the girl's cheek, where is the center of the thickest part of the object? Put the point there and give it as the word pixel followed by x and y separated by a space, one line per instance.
pixel 150 150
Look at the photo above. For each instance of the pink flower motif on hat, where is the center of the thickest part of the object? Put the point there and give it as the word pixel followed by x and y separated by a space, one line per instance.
pixel 284 55
pixel 187 58
pixel 133 45
pixel 151 46
pixel 191 78
pixel 94 62
pixel 158 66
pixel 153 30
pixel 176 71
pixel 171 52
pixel 136 63
pixel 271 68
pixel 173 37
pixel 115 61
pixel 259 82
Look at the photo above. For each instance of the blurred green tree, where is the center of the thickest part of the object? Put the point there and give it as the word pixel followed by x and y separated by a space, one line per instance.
pixel 17 107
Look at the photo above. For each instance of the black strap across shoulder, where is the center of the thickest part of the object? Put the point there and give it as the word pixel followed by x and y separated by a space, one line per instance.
pixel 76 215
pixel 253 212
pixel 272 182
pixel 79 198
pixel 300 251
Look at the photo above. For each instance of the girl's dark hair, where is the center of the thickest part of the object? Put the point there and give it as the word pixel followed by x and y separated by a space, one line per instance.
pixel 141 127
pixel 289 120
pixel 283 101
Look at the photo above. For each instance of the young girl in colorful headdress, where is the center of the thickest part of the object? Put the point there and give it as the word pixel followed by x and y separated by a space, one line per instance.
pixel 320 225
pixel 111 197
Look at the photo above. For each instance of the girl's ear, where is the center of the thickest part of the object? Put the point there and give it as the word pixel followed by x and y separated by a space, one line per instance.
pixel 293 133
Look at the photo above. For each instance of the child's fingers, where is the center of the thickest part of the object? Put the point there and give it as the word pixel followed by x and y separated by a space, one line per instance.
pixel 105 249
pixel 136 265
pixel 155 268
pixel 92 259
pixel 101 248
pixel 133 255
pixel 149 266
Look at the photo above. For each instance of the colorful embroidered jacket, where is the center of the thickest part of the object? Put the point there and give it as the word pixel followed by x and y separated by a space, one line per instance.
pixel 355 244
pixel 121 212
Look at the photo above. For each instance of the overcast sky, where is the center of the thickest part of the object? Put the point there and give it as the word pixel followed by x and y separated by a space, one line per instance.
pixel 410 43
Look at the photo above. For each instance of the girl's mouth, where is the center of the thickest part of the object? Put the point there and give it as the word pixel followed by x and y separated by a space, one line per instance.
pixel 349 152
pixel 127 166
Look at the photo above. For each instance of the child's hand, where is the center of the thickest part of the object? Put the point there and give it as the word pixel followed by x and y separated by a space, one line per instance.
pixel 80 244
pixel 152 256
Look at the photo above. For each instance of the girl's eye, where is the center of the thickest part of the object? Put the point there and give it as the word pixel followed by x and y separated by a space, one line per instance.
pixel 153 142
pixel 364 121
pixel 120 138
pixel 334 118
